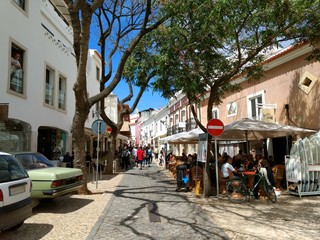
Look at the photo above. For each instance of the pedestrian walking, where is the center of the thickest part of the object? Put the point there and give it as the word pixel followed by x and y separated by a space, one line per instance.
pixel 125 158
pixel 149 156
pixel 140 154
pixel 161 158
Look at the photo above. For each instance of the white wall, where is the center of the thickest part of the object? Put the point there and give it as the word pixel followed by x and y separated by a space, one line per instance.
pixel 25 30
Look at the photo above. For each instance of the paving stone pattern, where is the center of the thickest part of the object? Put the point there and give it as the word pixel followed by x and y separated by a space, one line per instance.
pixel 127 214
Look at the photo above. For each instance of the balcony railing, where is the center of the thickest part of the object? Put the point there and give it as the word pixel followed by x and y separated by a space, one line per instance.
pixel 191 124
pixel 169 131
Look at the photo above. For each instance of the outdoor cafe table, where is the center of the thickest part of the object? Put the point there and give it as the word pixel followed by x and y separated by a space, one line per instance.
pixel 250 175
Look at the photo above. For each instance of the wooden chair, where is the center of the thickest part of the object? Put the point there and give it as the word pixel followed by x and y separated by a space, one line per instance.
pixel 231 175
pixel 222 182
pixel 196 176
pixel 278 174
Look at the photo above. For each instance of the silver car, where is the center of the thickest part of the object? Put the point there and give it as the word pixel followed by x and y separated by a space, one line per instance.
pixel 15 193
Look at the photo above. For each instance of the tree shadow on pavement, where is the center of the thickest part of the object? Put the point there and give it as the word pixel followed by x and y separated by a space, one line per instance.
pixel 30 231
pixel 192 221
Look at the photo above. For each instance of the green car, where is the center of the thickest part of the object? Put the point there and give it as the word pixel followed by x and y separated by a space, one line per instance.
pixel 49 181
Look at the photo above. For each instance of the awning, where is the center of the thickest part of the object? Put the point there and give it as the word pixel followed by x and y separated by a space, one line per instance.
pixel 184 137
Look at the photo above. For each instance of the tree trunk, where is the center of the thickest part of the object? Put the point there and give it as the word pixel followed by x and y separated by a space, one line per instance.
pixel 79 148
pixel 207 180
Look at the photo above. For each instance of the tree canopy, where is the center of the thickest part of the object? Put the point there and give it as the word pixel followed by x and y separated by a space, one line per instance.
pixel 209 42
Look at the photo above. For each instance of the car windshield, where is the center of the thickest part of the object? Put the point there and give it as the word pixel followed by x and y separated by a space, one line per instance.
pixel 33 160
pixel 11 169
pixel 42 159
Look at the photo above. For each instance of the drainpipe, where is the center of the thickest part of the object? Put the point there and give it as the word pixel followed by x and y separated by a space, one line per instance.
pixel 286 107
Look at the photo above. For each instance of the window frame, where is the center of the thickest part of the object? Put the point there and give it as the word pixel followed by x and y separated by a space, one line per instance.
pixel 61 77
pixel 255 96
pixel 21 6
pixel 234 106
pixel 97 73
pixel 17 48
pixel 53 76
pixel 215 112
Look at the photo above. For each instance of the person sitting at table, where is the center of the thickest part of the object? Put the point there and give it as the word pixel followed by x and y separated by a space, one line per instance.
pixel 238 159
pixel 249 163
pixel 266 171
pixel 227 168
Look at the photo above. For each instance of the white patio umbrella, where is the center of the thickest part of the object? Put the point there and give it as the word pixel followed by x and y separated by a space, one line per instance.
pixel 245 129
pixel 250 129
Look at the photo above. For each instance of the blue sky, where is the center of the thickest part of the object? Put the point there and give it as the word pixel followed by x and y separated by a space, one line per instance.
pixel 149 98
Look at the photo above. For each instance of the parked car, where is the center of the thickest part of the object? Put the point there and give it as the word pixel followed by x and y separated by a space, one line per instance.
pixel 15 193
pixel 49 181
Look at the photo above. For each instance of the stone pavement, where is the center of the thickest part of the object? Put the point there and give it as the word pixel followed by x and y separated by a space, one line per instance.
pixel 145 205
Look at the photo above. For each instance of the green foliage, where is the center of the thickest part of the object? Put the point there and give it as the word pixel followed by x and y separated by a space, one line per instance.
pixel 207 43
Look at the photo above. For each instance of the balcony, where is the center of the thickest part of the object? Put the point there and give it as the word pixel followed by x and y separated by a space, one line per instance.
pixel 169 131
pixel 178 128
pixel 191 124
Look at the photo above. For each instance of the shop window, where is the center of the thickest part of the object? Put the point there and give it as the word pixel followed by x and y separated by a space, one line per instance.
pixel 62 93
pixel 15 136
pixel 16 69
pixel 49 87
pixel 307 82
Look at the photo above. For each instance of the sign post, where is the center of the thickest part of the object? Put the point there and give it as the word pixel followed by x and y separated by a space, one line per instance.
pixel 215 127
pixel 98 127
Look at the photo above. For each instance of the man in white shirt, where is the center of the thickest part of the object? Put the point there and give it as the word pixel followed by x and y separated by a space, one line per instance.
pixel 226 167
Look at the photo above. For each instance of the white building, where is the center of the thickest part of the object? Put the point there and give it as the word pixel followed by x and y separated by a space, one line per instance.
pixel 160 127
pixel 134 119
pixel 93 85
pixel 146 126
pixel 38 96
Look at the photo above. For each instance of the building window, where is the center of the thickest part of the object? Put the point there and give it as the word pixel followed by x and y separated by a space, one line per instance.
pixel 16 70
pixel 20 3
pixel 215 113
pixel 183 116
pixel 49 88
pixel 176 118
pixel 232 109
pixel 255 102
pixel 62 93
pixel 98 73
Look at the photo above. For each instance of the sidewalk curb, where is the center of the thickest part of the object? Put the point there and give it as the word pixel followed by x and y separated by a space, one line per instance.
pixel 103 215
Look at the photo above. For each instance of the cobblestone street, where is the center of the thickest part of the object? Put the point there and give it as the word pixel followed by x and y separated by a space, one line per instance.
pixel 143 204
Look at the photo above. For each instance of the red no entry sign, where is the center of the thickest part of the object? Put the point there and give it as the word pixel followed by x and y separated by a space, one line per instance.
pixel 215 127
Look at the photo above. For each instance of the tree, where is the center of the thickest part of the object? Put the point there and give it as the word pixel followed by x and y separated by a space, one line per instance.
pixel 131 20
pixel 123 26
pixel 211 42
